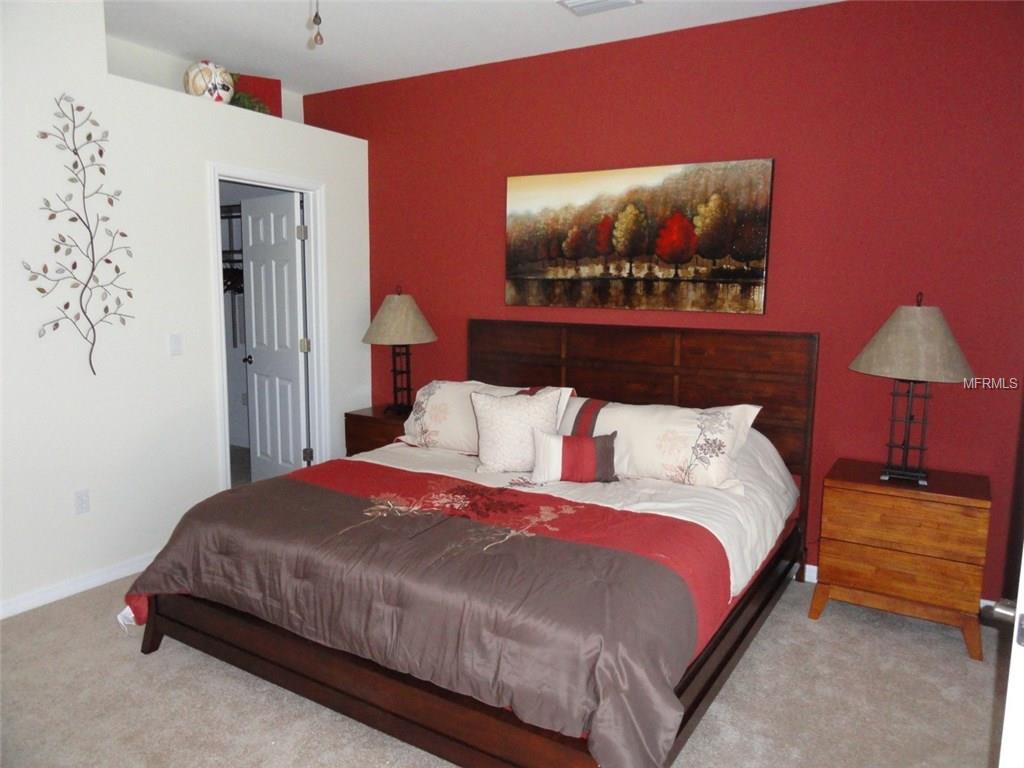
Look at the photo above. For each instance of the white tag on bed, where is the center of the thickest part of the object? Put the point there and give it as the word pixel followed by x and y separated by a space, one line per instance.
pixel 126 618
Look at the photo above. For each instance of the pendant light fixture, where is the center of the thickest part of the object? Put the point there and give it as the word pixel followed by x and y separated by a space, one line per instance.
pixel 317 38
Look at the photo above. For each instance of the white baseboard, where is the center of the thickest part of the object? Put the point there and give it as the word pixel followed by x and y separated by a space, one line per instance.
pixel 37 597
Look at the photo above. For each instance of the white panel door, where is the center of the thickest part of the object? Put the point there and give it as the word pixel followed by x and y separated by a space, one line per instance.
pixel 1012 753
pixel 271 257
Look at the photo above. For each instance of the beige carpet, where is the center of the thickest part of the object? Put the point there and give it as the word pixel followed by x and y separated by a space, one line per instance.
pixel 857 689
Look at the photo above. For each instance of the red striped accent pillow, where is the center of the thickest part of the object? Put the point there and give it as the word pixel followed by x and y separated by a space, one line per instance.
pixel 580 417
pixel 573 458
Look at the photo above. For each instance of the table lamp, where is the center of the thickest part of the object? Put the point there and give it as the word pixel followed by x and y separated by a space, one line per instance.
pixel 914 347
pixel 399 323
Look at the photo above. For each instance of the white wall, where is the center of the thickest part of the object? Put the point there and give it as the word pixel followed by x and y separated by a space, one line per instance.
pixel 141 434
pixel 155 67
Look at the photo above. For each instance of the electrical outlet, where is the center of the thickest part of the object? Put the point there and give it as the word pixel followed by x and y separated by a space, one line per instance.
pixel 245 398
pixel 175 344
pixel 82 502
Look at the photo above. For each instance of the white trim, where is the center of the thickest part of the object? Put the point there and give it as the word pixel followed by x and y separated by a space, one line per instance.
pixel 316 303
pixel 219 348
pixel 319 363
pixel 37 597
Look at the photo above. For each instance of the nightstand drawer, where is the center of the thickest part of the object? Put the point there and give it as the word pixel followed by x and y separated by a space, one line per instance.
pixel 888 572
pixel 908 525
pixel 371 428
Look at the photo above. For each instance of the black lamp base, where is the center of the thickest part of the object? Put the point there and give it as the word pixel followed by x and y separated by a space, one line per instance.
pixel 401 373
pixel 898 464
pixel 399 410
pixel 918 476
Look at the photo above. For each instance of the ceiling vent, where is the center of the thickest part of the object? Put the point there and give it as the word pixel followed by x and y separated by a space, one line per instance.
pixel 590 7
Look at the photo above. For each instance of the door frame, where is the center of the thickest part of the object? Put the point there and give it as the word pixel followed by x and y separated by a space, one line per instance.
pixel 1011 750
pixel 316 303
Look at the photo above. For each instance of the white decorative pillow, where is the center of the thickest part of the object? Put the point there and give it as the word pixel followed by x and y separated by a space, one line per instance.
pixel 685 445
pixel 564 395
pixel 506 427
pixel 442 416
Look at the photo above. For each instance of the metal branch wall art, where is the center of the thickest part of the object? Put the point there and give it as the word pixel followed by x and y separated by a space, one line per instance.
pixel 83 273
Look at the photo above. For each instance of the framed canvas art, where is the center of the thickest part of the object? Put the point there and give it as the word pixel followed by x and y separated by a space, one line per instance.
pixel 684 237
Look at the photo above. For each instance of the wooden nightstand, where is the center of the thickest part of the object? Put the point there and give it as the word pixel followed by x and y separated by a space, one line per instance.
pixel 371 428
pixel 915 550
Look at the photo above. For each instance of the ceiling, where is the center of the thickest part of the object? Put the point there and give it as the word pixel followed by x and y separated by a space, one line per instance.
pixel 369 41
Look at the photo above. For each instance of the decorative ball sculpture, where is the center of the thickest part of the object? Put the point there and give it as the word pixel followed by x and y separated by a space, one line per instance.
pixel 204 78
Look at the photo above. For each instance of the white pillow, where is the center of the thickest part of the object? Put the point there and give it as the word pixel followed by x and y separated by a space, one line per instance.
pixel 506 427
pixel 442 416
pixel 685 445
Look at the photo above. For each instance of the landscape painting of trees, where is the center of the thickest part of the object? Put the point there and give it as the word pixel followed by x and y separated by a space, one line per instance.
pixel 685 237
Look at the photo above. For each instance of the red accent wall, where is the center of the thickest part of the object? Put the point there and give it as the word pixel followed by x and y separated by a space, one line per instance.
pixel 896 134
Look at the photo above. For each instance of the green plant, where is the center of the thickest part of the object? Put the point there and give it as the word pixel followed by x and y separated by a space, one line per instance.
pixel 247 100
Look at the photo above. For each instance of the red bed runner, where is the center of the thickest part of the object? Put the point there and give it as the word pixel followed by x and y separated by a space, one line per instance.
pixel 688 549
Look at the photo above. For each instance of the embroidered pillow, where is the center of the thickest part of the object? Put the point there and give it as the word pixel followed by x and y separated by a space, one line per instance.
pixel 564 393
pixel 685 445
pixel 442 416
pixel 573 458
pixel 506 427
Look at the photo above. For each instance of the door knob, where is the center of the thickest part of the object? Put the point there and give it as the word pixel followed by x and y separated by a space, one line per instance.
pixel 247 359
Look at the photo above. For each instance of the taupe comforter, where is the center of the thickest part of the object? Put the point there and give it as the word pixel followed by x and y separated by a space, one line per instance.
pixel 573 616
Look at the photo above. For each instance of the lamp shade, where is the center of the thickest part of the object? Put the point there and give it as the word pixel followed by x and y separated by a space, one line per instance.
pixel 915 344
pixel 399 321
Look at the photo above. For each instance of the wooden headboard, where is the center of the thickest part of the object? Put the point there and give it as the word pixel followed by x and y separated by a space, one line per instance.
pixel 691 367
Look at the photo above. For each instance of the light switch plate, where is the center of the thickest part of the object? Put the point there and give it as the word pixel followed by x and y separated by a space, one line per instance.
pixel 175 344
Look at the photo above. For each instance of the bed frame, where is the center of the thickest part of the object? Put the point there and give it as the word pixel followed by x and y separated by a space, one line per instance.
pixel 699 368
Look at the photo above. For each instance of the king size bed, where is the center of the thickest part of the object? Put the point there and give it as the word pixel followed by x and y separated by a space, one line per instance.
pixel 499 621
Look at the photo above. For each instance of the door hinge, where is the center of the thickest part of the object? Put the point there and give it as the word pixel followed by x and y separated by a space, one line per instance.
pixel 301 232
pixel 307 454
pixel 305 345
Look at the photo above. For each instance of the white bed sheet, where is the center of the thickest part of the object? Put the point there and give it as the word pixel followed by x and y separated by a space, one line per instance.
pixel 747 524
